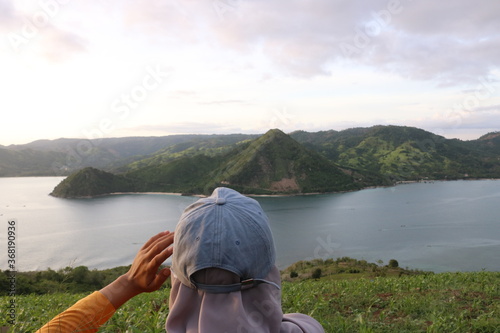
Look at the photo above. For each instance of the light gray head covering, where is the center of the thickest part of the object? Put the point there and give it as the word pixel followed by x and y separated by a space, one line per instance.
pixel 228 231
pixel 223 247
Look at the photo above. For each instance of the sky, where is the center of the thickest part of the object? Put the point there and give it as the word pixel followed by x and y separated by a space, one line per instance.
pixel 101 68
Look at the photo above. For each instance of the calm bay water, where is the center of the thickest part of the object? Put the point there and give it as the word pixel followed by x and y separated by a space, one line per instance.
pixel 440 226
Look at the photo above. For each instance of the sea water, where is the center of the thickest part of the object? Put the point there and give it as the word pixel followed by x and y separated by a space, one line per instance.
pixel 437 226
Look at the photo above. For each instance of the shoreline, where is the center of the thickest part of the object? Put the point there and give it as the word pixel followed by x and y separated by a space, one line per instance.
pixel 403 182
pixel 160 193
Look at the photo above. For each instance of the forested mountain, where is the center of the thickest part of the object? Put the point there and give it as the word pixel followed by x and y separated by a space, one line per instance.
pixel 273 163
pixel 407 153
pixel 29 162
pixel 61 157
pixel 194 163
pixel 206 145
pixel 91 182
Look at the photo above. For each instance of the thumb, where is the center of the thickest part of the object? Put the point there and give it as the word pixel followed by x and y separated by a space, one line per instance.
pixel 160 278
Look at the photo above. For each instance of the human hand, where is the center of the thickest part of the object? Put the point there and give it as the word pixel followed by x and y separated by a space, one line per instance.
pixel 143 275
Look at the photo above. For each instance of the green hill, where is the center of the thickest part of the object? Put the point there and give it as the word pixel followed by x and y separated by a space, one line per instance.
pixel 62 157
pixel 275 163
pixel 407 153
pixel 354 158
pixel 29 162
pixel 91 182
pixel 302 162
pixel 206 145
pixel 183 175
pixel 271 164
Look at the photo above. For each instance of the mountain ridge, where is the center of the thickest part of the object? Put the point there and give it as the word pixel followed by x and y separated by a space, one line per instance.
pixel 274 163
pixel 395 153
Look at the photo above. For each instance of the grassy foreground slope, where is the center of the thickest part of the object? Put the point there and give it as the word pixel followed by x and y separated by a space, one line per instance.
pixel 445 302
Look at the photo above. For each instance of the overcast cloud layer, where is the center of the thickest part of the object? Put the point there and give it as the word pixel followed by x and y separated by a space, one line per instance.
pixel 311 65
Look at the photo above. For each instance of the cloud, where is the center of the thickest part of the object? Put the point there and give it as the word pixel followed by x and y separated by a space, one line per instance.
pixel 34 31
pixel 460 18
pixel 6 11
pixel 183 94
pixel 490 108
pixel 168 21
pixel 447 42
pixel 456 123
pixel 58 45
pixel 221 102
pixel 299 37
pixel 182 128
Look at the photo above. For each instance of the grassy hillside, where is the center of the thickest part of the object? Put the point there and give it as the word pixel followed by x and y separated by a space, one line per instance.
pixel 204 145
pixel 275 163
pixel 393 152
pixel 184 175
pixel 407 153
pixel 29 162
pixel 90 182
pixel 331 161
pixel 353 300
pixel 271 164
pixel 61 157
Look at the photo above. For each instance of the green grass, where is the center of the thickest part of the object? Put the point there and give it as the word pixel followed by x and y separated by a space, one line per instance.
pixel 445 302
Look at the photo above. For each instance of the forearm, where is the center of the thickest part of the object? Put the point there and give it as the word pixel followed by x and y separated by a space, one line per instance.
pixel 91 312
pixel 120 291
pixel 87 315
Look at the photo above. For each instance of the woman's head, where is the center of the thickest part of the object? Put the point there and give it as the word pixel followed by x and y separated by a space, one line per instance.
pixel 226 231
pixel 224 277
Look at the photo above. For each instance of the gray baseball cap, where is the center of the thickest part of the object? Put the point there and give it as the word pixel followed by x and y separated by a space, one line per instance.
pixel 228 231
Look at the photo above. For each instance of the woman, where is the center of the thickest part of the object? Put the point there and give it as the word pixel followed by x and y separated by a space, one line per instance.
pixel 224 277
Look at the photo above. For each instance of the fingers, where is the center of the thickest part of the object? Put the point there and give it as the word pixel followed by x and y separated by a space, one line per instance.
pixel 160 244
pixel 164 255
pixel 159 250
pixel 160 279
pixel 144 270
pixel 154 238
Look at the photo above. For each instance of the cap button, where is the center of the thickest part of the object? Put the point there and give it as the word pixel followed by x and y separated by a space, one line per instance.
pixel 220 201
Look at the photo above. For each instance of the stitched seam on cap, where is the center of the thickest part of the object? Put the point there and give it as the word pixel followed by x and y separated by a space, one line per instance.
pixel 217 235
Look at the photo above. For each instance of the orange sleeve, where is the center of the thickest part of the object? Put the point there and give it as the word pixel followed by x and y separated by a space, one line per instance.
pixel 87 315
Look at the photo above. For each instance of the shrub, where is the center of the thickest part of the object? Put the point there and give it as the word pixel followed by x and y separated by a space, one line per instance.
pixel 393 263
pixel 316 273
pixel 293 274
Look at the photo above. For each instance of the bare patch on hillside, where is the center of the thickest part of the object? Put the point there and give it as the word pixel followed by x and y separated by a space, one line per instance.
pixel 285 185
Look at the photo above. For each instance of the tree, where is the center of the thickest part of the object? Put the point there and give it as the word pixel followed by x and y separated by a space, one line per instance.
pixel 316 273
pixel 80 274
pixel 393 263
